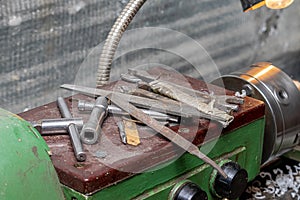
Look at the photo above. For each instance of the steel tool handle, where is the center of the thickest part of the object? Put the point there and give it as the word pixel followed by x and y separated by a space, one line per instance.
pixel 55 126
pixel 73 131
pixel 49 125
pixel 92 129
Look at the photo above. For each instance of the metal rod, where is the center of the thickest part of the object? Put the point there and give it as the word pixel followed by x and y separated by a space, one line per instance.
pixel 122 131
pixel 73 131
pixel 54 126
pixel 88 106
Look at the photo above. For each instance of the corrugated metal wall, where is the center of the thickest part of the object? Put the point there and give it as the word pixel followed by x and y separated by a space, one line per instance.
pixel 43 42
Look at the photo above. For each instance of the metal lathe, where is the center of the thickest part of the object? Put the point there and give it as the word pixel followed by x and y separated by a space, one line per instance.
pixel 147 136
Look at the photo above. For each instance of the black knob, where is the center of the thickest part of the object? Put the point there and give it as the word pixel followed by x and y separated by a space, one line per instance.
pixel 234 185
pixel 190 191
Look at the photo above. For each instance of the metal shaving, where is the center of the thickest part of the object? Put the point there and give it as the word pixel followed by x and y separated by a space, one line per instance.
pixel 277 188
pixel 241 94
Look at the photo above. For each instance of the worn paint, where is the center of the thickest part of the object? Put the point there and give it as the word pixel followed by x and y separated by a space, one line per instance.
pixel 35 152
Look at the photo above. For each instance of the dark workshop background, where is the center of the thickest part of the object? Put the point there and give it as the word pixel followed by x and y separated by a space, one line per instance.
pixel 43 42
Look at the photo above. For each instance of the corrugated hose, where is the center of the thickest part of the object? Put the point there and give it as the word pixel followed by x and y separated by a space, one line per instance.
pixel 113 39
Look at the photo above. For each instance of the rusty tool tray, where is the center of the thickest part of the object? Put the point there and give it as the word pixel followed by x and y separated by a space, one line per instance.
pixel 123 161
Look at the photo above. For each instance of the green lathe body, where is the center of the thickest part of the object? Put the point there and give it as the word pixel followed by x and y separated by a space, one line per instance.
pixel 26 170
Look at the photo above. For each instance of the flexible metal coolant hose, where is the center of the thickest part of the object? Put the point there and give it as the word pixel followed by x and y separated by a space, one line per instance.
pixel 113 39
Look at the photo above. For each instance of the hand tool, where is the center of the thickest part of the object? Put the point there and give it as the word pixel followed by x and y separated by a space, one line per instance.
pixel 92 128
pixel 73 131
pixel 169 108
pixel 223 102
pixel 177 94
pixel 88 106
pixel 166 132
pixel 145 93
pixel 130 78
pixel 122 131
pixel 55 126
